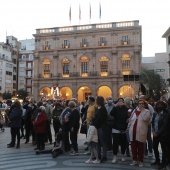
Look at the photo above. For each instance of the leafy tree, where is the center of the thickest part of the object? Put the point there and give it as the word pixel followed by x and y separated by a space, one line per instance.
pixel 22 93
pixel 153 81
pixel 7 95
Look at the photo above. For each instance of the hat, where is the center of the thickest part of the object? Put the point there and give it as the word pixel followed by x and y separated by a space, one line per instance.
pixel 42 108
pixel 9 101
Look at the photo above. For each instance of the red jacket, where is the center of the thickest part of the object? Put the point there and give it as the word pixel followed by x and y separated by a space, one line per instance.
pixel 40 123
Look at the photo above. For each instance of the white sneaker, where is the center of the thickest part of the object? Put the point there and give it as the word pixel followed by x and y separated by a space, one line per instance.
pixel 150 154
pixel 114 160
pixel 123 158
pixel 134 163
pixel 140 164
pixel 96 161
pixel 89 161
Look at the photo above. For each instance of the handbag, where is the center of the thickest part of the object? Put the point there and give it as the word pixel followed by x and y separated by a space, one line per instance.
pixel 83 129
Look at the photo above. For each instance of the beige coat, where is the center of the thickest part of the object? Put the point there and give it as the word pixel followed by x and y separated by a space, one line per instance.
pixel 92 135
pixel 142 125
pixel 90 112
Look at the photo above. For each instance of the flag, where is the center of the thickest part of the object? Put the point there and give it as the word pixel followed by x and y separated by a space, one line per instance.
pixel 100 12
pixel 70 13
pixel 79 12
pixel 90 11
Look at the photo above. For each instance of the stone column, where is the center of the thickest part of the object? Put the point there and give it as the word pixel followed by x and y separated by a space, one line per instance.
pixel 115 90
pixel 36 91
pixel 36 65
pixel 55 64
pixel 115 61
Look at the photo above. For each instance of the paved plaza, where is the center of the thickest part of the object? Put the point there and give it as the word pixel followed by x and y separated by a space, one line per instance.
pixel 25 158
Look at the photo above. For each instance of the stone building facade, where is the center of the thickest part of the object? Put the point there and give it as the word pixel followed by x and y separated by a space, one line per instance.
pixel 83 60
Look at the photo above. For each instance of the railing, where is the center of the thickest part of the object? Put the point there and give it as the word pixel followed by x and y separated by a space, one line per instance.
pixel 46 47
pixel 125 42
pixel 87 27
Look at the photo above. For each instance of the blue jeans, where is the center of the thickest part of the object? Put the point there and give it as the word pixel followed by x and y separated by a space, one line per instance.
pixel 102 141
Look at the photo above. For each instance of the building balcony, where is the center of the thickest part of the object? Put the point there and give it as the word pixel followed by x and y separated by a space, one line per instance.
pixel 84 44
pixel 102 44
pixel 125 42
pixel 46 47
pixel 66 45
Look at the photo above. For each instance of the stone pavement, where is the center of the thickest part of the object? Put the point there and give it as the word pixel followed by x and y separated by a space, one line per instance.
pixel 25 158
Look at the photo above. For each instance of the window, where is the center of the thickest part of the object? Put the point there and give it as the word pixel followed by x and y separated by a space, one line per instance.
pixel 14 77
pixel 29 73
pixel 126 64
pixel 84 42
pixel 8 73
pixel 125 40
pixel 0 63
pixel 21 82
pixel 102 41
pixel 84 66
pixel 46 68
pixel 14 61
pixel 28 82
pixel 8 65
pixel 21 73
pixel 22 65
pixel 31 57
pixel 29 65
pixel 65 68
pixel 23 57
pixel 46 45
pixel 0 71
pixel 28 90
pixel 104 66
pixel 66 44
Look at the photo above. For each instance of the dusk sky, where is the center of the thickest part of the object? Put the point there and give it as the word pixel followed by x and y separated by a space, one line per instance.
pixel 21 18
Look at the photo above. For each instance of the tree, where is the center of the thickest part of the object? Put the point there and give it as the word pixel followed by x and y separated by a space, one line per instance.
pixel 153 81
pixel 22 93
pixel 7 95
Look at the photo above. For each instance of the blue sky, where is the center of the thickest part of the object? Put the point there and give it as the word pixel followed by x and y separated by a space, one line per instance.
pixel 20 18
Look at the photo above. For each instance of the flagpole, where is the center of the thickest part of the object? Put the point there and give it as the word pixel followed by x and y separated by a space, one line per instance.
pixel 100 12
pixel 70 14
pixel 90 13
pixel 79 14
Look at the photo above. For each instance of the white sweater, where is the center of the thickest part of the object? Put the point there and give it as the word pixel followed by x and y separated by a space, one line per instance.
pixel 92 134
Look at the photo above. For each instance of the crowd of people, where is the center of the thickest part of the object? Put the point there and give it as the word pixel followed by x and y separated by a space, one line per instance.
pixel 110 125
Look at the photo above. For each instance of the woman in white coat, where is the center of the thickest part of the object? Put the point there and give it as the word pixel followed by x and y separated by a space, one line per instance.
pixel 138 127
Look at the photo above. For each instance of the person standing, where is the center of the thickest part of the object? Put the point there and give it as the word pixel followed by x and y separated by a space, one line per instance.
pixel 74 119
pixel 100 123
pixel 120 116
pixel 55 116
pixel 138 127
pixel 40 127
pixel 48 111
pixel 159 133
pixel 15 124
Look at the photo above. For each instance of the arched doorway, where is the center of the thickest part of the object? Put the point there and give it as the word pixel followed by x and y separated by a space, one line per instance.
pixel 126 91
pixel 83 93
pixel 45 92
pixel 66 93
pixel 104 91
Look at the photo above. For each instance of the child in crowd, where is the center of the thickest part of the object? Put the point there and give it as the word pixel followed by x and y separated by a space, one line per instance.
pixel 58 146
pixel 92 140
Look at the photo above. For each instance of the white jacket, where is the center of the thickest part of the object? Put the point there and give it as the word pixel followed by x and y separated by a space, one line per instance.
pixel 92 135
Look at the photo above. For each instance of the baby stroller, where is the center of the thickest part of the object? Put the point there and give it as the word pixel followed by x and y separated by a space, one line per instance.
pixel 1 123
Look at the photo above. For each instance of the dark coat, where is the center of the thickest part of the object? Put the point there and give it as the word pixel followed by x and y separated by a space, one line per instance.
pixel 100 118
pixel 40 123
pixel 15 117
pixel 162 124
pixel 74 119
pixel 120 115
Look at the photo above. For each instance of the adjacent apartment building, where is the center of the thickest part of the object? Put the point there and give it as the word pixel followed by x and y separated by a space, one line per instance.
pixel 83 60
pixel 26 59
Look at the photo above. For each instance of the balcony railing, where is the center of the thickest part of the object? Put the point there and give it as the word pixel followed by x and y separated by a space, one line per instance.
pixel 102 44
pixel 46 47
pixel 84 44
pixel 125 42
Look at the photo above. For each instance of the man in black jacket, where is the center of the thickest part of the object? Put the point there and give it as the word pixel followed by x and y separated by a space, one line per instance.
pixel 159 125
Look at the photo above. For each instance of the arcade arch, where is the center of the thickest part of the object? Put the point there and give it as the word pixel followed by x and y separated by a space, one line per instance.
pixel 104 91
pixel 83 93
pixel 126 91
pixel 66 93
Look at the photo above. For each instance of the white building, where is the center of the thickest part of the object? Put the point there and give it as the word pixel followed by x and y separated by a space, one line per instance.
pixel 6 69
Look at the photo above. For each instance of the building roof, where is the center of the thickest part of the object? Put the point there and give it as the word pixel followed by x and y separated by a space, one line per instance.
pixel 166 33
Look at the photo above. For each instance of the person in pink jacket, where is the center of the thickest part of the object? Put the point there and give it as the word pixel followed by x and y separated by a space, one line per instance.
pixel 138 127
